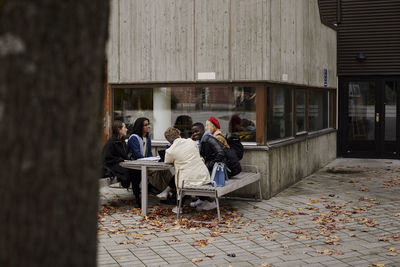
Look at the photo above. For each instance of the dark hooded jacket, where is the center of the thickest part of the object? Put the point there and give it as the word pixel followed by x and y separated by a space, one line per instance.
pixel 211 151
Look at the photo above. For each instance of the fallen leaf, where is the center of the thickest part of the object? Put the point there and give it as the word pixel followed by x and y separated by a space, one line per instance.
pixel 266 264
pixel 392 249
pixel 392 254
pixel 210 255
pixel 378 264
pixel 215 234
pixel 197 260
pixel 200 242
pixel 284 246
pixel 325 252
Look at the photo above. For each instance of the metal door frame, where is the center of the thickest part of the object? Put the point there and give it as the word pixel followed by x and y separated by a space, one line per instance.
pixel 374 149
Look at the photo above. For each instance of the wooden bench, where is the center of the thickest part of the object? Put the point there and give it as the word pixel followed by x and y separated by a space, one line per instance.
pixel 249 175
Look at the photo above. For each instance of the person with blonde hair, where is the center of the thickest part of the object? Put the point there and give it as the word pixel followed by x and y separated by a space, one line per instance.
pixel 184 154
pixel 213 126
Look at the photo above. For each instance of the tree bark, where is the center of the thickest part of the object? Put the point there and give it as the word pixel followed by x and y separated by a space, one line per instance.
pixel 52 58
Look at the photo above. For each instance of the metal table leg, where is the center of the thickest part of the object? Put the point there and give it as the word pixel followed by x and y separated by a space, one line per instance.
pixel 144 191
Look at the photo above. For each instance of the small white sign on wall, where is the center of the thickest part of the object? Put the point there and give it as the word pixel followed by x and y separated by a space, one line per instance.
pixel 206 76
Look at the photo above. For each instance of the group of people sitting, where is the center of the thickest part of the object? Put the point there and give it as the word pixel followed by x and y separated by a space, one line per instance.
pixel 193 157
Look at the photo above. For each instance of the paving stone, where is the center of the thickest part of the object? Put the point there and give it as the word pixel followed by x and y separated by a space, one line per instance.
pixel 252 248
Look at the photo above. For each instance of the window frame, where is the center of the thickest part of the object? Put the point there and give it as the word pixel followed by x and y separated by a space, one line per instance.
pixel 261 103
pixel 295 91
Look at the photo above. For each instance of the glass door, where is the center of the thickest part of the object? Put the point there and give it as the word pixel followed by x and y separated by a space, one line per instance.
pixel 369 117
pixel 361 117
pixel 389 124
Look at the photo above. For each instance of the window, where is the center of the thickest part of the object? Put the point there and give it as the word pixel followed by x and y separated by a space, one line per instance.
pixel 132 104
pixel 280 113
pixel 234 107
pixel 301 112
pixel 317 110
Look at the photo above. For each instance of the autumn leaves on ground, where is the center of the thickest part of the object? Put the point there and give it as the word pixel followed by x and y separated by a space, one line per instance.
pixel 340 215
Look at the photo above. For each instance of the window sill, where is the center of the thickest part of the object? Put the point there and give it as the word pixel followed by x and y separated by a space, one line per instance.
pixel 299 138
pixel 301 133
pixel 270 145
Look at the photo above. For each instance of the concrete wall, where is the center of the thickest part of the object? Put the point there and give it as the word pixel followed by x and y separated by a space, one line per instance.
pixel 239 40
pixel 284 165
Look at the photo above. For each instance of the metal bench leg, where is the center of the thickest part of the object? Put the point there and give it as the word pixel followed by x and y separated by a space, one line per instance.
pixel 259 188
pixel 180 200
pixel 179 203
pixel 219 214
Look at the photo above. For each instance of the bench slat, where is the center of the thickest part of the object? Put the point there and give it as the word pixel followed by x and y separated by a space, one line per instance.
pixel 234 183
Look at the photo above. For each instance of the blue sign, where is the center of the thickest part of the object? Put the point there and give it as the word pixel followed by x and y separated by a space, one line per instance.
pixel 325 78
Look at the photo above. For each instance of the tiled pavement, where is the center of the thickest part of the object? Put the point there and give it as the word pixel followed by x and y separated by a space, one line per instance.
pixel 346 214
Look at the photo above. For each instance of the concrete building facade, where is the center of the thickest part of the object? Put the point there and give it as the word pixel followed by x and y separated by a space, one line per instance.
pixel 265 68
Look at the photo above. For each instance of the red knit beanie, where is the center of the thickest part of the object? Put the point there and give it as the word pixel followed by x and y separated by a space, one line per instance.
pixel 236 119
pixel 214 121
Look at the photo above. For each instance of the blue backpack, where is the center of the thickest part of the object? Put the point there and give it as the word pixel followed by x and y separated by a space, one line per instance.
pixel 218 174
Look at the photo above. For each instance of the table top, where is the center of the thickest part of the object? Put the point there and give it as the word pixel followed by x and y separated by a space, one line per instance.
pixel 150 164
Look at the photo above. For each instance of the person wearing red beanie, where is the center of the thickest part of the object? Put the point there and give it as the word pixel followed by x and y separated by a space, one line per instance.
pixel 214 121
pixel 213 126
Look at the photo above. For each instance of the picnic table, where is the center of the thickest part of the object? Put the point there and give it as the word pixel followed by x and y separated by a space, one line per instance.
pixel 145 166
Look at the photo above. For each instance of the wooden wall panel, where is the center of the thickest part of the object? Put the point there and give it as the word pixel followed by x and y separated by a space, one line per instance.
pixel 322 49
pixel 126 19
pixel 314 45
pixel 173 47
pixel 239 40
pixel 275 29
pixel 288 39
pixel 302 55
pixel 156 40
pixel 212 37
pixel 113 43
pixel 249 29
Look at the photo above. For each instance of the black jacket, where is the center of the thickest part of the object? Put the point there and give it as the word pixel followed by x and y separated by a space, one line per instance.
pixel 114 152
pixel 211 151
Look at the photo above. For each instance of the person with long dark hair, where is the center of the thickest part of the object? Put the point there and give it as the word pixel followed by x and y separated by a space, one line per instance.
pixel 139 143
pixel 115 152
pixel 139 146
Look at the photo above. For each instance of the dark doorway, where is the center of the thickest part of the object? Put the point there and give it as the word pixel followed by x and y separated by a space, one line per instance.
pixel 369 117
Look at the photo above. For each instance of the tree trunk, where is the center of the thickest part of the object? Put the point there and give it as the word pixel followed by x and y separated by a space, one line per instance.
pixel 52 58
